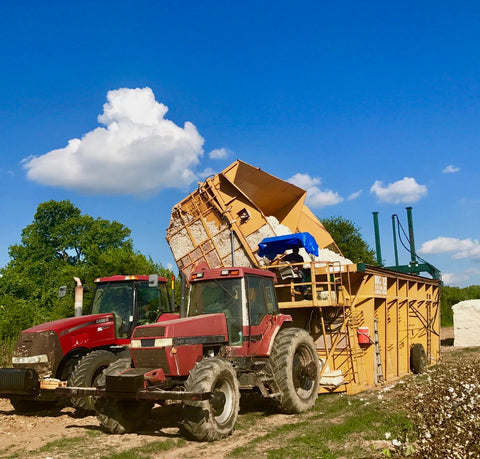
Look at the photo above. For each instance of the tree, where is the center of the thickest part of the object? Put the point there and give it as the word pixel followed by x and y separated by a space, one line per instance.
pixel 60 231
pixel 349 240
pixel 62 243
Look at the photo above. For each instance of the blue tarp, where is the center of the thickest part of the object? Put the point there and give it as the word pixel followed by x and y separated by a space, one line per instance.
pixel 270 247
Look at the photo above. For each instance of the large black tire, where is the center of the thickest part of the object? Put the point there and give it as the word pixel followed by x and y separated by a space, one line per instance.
pixel 418 359
pixel 122 416
pixel 24 405
pixel 296 370
pixel 87 372
pixel 211 420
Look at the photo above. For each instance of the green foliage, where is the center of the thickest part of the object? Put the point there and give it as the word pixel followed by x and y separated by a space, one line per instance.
pixel 453 295
pixel 62 243
pixel 7 346
pixel 60 231
pixel 349 240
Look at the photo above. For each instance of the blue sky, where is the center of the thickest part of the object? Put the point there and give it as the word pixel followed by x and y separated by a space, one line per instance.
pixel 121 107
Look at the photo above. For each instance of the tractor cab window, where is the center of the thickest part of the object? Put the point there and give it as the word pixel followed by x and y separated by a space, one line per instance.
pixel 151 303
pixel 219 296
pixel 270 298
pixel 117 299
pixel 261 299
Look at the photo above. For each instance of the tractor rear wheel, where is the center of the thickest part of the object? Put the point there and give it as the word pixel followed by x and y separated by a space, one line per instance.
pixel 122 416
pixel 86 374
pixel 296 370
pixel 213 419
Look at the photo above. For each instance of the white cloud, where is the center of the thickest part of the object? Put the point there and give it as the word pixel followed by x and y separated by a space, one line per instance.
pixel 455 279
pixel 355 195
pixel 304 181
pixel 139 152
pixel 208 172
pixel 450 169
pixel 219 153
pixel 315 197
pixel 406 190
pixel 461 248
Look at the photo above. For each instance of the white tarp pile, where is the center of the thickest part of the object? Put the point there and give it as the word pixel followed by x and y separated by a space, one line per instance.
pixel 466 323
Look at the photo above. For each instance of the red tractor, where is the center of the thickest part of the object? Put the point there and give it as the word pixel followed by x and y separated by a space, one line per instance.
pixel 232 339
pixel 78 349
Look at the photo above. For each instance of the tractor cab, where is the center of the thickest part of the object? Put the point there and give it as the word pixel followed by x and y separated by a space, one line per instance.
pixel 132 300
pixel 245 295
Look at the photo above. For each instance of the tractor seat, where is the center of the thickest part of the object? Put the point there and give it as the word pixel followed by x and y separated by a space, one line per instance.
pixel 287 272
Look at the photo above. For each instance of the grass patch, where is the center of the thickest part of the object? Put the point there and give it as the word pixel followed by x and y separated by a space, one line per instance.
pixel 84 449
pixel 253 408
pixel 64 445
pixel 147 451
pixel 339 426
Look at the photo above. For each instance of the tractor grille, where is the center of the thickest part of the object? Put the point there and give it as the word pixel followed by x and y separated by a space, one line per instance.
pixel 45 345
pixel 149 332
pixel 151 359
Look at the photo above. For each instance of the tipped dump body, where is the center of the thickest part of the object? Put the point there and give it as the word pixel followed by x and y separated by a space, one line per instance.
pixel 247 201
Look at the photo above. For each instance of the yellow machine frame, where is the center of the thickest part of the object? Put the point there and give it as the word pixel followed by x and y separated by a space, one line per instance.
pixel 364 319
pixel 348 305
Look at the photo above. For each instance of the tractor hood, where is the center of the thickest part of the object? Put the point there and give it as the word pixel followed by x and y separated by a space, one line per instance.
pixel 204 329
pixel 172 347
pixel 42 347
pixel 71 324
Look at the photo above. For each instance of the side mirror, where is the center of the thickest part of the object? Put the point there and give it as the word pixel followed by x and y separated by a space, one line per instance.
pixel 62 291
pixel 153 280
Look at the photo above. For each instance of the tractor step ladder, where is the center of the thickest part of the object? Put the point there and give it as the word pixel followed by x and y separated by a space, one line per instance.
pixel 378 356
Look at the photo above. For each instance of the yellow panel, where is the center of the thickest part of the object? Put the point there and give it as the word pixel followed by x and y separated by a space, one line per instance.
pixel 405 306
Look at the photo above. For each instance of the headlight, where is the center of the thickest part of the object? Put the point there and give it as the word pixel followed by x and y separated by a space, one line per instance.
pixel 158 342
pixel 163 342
pixel 31 359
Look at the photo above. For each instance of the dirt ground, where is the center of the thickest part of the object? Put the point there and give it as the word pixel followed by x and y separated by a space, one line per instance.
pixel 24 435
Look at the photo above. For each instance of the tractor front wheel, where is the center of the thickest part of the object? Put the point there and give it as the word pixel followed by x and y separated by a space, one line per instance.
pixel 122 416
pixel 213 419
pixel 86 374
pixel 296 370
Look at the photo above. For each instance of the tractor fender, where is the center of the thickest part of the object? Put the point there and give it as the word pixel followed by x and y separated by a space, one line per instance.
pixel 68 362
pixel 279 321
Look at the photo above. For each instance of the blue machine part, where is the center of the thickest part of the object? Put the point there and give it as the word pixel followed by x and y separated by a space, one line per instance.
pixel 270 247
